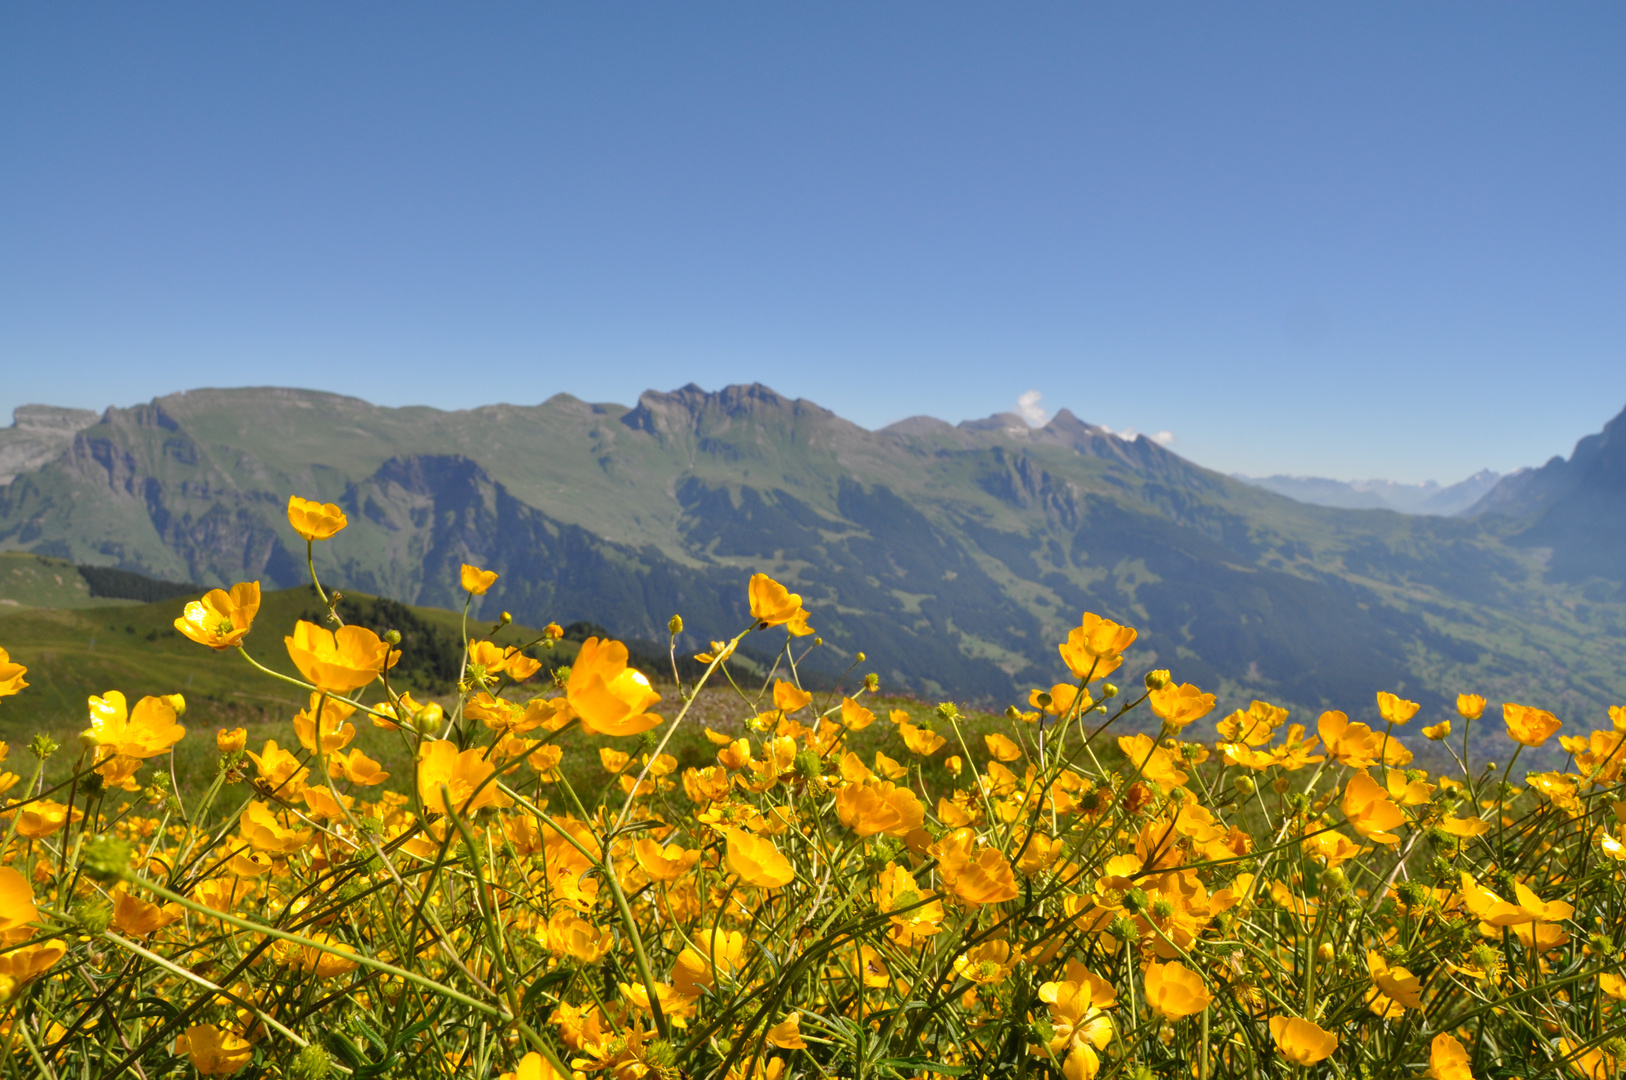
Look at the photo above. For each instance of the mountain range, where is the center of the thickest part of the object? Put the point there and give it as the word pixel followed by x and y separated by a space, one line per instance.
pixel 1427 497
pixel 954 556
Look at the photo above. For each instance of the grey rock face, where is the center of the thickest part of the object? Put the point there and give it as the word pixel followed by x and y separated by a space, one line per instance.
pixel 38 434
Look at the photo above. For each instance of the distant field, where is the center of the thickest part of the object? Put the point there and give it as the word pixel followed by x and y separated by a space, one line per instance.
pixel 90 646
pixel 38 581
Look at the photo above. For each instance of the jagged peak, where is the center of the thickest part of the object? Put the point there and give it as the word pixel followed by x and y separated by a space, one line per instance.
pixel 687 407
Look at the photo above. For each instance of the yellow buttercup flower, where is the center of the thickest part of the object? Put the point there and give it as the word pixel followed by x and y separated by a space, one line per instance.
pixel 610 697
pixel 42 817
pixel 1439 731
pixel 358 768
pixel 1301 1041
pixel 16 901
pixel 879 807
pixel 757 861
pixel 1448 1059
pixel 771 603
pixel 1256 726
pixel 1370 812
pixel 336 733
pixel 1059 699
pixel 1180 705
pixel 568 934
pixel 11 675
pixel 314 520
pixel 1000 748
pixel 265 830
pixel 1529 726
pixel 221 619
pixel 533 1066
pixel 339 662
pixel 1174 991
pixel 713 953
pixel 231 740
pixel 146 732
pixel 1396 710
pixel 987 964
pixel 977 875
pixel 475 580
pixel 787 1034
pixel 1394 989
pixel 466 775
pixel 1092 648
pixel 1470 706
pixel 854 717
pixel 1080 1028
pixel 664 864
pixel 789 698
pixel 214 1052
pixel 281 772
pixel 921 740
pixel 138 918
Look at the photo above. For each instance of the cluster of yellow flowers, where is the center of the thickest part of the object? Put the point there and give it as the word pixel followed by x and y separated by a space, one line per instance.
pixel 1045 892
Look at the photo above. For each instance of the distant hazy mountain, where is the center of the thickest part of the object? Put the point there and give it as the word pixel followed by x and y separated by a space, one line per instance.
pixel 955 556
pixel 1573 512
pixel 1425 498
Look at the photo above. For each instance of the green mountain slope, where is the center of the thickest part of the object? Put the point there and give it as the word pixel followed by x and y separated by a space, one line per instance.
pixel 954 556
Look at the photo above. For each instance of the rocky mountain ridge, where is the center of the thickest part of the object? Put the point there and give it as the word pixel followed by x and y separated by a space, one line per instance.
pixel 955 556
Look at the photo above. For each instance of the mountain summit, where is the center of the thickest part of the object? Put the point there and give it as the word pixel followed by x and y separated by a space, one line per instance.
pixel 1574 509
pixel 955 556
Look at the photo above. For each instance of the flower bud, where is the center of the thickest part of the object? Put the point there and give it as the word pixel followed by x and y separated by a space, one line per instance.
pixel 88 739
pixel 1244 786
pixel 553 631
pixel 107 858
pixel 392 637
pixel 1012 713
pixel 1335 877
pixel 1109 690
pixel 311 1063
pixel 674 625
pixel 1324 952
pixel 859 658
pixel 505 618
pixel 178 702
pixel 1157 680
pixel 92 915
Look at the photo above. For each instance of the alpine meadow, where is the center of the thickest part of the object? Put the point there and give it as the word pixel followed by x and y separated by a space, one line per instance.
pixel 720 738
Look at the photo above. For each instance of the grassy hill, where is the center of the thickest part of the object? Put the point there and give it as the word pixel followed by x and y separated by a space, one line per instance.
pixel 74 652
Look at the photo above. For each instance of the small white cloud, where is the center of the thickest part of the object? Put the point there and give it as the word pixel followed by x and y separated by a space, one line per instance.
pixel 1028 408
pixel 1129 434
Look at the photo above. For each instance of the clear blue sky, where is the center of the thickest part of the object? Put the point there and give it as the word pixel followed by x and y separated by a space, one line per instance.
pixel 1338 239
